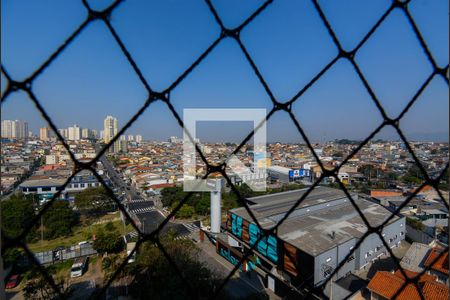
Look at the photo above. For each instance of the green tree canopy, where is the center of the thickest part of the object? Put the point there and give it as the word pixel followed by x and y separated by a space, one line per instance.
pixel 108 241
pixel 156 278
pixel 59 219
pixel 17 213
pixel 94 201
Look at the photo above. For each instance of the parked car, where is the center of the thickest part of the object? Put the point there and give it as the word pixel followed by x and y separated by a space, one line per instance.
pixel 78 267
pixel 13 281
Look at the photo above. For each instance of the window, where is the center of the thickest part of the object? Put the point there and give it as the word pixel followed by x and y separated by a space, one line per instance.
pixel 402 233
pixel 46 189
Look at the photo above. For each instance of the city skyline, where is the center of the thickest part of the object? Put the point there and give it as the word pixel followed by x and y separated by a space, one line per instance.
pixel 91 133
pixel 93 75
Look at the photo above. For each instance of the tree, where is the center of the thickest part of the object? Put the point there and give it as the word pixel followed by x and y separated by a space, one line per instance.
pixel 59 220
pixel 40 288
pixel 202 206
pixel 186 211
pixel 108 241
pixel 155 278
pixel 171 194
pixel 414 171
pixel 94 201
pixel 110 226
pixel 17 213
pixel 11 257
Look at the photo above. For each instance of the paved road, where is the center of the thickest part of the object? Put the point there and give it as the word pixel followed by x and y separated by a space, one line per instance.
pixel 241 285
pixel 116 178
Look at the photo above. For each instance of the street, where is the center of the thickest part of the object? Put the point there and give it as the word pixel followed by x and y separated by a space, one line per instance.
pixel 116 178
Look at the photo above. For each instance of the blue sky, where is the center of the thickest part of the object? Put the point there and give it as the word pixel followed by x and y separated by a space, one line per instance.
pixel 288 43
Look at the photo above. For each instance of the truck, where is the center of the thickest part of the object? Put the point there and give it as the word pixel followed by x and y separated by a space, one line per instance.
pixel 78 267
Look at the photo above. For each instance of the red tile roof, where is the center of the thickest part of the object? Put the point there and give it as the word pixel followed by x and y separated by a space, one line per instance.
pixel 411 274
pixel 441 265
pixel 387 284
pixel 435 291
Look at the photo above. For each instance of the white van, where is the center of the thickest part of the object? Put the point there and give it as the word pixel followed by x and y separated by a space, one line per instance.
pixel 78 267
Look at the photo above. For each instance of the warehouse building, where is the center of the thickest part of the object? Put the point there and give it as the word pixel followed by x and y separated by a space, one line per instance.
pixel 314 239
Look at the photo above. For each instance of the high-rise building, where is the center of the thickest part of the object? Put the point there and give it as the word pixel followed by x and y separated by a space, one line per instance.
pixel 21 131
pixel 130 138
pixel 123 138
pixel 15 129
pixel 94 133
pixel 85 133
pixel 123 146
pixel 110 129
pixel 102 134
pixel 7 126
pixel 44 134
pixel 74 133
pixel 174 140
pixel 63 132
pixel 138 138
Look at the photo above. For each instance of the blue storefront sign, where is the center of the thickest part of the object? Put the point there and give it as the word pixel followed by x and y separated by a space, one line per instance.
pixel 299 173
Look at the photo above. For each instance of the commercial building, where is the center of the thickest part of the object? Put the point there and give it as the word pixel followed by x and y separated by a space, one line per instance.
pixel 46 187
pixel 279 173
pixel 286 175
pixel 314 239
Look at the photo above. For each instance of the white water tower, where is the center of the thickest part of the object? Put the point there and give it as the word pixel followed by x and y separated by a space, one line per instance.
pixel 216 204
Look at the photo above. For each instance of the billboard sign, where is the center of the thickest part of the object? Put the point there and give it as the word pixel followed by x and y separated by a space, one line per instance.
pixel 299 173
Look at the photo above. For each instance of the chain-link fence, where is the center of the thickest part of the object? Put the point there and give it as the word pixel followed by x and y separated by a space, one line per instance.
pixel 164 96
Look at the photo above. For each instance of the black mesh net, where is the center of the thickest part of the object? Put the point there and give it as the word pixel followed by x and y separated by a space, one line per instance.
pixel 305 290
